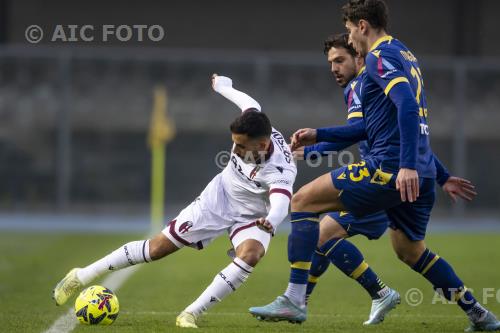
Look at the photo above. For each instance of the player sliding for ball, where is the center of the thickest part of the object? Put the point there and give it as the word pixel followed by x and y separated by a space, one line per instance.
pixel 247 199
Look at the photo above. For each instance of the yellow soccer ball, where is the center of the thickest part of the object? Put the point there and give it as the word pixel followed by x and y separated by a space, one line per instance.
pixel 97 305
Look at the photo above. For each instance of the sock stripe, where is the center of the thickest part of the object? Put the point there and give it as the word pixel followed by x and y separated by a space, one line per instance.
pixel 312 279
pixel 305 265
pixel 430 264
pixel 234 262
pixel 333 246
pixel 359 270
pixel 311 219
pixel 144 251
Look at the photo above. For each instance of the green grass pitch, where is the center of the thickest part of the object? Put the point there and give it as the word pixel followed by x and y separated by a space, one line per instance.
pixel 31 264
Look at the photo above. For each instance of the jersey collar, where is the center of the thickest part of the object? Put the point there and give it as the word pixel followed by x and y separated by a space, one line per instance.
pixel 269 152
pixel 380 41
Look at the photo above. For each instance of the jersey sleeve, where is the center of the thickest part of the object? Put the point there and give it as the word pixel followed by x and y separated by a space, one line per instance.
pixel 442 174
pixel 324 148
pixel 280 181
pixel 388 72
pixel 224 86
pixel 347 133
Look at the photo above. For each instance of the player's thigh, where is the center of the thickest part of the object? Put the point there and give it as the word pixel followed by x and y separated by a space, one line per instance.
pixel 196 227
pixel 318 196
pixel 329 228
pixel 160 246
pixel 407 250
pixel 250 242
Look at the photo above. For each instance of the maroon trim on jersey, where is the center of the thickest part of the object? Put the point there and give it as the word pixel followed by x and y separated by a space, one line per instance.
pixel 175 235
pixel 234 262
pixel 241 228
pixel 282 191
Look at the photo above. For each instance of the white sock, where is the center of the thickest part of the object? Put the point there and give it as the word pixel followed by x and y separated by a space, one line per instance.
pixel 297 294
pixel 224 283
pixel 477 313
pixel 127 255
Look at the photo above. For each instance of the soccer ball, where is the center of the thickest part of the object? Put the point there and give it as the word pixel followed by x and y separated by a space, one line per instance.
pixel 97 305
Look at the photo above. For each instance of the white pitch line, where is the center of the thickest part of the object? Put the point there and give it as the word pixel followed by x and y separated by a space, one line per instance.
pixel 67 322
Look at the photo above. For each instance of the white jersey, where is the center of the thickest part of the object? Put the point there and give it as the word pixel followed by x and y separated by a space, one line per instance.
pixel 248 185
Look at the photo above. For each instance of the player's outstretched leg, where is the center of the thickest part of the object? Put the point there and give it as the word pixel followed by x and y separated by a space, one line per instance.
pixel 130 254
pixel 444 280
pixel 248 254
pixel 346 257
pixel 314 198
pixel 319 265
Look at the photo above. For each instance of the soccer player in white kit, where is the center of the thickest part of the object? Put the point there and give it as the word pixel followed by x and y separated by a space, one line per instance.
pixel 247 200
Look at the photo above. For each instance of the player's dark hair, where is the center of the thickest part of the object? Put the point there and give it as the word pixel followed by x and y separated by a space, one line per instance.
pixel 373 11
pixel 337 41
pixel 253 123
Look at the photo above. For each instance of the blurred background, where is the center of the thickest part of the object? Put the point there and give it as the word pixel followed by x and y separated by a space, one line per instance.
pixel 75 114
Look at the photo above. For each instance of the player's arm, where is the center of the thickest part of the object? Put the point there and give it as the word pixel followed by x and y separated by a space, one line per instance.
pixel 346 133
pixel 321 149
pixel 442 174
pixel 454 186
pixel 224 86
pixel 397 87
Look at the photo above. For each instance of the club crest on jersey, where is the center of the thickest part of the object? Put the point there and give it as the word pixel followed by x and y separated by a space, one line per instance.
pixel 185 227
pixel 254 172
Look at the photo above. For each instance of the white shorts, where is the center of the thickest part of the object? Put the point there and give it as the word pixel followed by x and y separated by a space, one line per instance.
pixel 196 226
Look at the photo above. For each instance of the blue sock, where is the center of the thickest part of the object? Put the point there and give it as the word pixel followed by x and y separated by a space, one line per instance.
pixel 346 257
pixel 444 279
pixel 319 265
pixel 302 242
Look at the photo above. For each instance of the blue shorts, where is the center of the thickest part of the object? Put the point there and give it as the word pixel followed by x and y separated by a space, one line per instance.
pixel 371 226
pixel 365 191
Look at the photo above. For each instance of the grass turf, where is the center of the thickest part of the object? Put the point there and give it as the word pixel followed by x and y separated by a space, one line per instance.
pixel 31 264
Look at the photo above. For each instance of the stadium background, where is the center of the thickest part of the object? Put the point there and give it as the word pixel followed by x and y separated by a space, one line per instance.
pixel 75 116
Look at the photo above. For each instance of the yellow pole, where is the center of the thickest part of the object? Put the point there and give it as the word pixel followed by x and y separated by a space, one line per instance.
pixel 161 131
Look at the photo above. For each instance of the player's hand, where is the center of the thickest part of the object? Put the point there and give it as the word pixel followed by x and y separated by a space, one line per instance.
pixel 298 153
pixel 265 225
pixel 459 187
pixel 407 184
pixel 220 82
pixel 303 137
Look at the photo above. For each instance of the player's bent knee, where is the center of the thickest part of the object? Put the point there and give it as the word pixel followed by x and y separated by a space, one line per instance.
pixel 251 251
pixel 160 246
pixel 299 201
pixel 409 257
pixel 329 228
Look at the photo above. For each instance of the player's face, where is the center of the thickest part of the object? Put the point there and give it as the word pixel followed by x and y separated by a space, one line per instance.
pixel 342 65
pixel 357 37
pixel 248 149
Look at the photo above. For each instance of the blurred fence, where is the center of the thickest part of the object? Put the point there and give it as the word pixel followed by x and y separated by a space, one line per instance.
pixel 74 120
